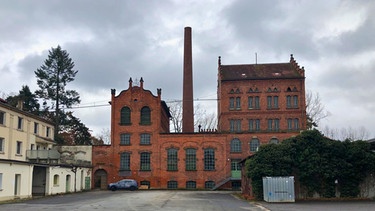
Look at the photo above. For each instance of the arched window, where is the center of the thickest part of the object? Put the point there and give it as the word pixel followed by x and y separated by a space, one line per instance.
pixel 125 116
pixel 235 145
pixel 254 144
pixel 274 141
pixel 145 116
pixel 56 180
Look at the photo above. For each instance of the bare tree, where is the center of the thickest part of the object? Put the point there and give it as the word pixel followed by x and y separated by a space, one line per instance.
pixel 348 133
pixel 315 109
pixel 105 136
pixel 175 108
pixel 201 118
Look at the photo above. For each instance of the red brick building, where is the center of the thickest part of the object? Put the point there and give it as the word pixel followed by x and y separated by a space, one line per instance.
pixel 257 104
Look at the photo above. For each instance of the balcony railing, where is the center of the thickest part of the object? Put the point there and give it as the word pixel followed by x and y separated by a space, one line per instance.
pixel 42 154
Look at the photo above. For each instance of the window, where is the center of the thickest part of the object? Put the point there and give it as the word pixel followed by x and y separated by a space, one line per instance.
pixel 20 123
pixel 270 122
pixel 238 103
pixel 145 139
pixel 257 124
pixel 275 101
pixel 231 103
pixel 2 118
pixel 274 141
pixel 235 145
pixel 36 128
pixel 125 161
pixel 125 116
pixel 145 183
pixel 56 180
pixel 32 147
pixel 235 165
pixel 288 101
pixel 257 103
pixel 296 124
pixel 277 124
pixel 172 160
pixel 145 161
pixel 289 122
pixel 191 185
pixel 272 102
pixel 295 101
pixel 235 125
pixel 250 101
pixel 209 159
pixel 254 145
pixel 254 125
pixel 209 184
pixel 253 102
pixel 2 144
pixel 172 184
pixel 145 116
pixel 273 124
pixel 125 139
pixel 48 131
pixel 269 102
pixel 19 148
pixel 191 159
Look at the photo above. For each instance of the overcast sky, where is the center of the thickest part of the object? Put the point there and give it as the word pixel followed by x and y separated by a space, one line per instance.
pixel 111 41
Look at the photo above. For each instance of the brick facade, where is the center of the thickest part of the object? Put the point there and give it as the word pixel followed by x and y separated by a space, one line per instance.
pixel 215 153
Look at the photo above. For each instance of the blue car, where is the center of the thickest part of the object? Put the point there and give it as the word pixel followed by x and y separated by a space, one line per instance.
pixel 127 184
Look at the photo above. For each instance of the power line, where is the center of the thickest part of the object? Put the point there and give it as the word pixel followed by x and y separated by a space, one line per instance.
pixel 103 105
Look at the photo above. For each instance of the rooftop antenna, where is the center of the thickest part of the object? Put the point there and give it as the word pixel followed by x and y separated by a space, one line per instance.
pixel 256 58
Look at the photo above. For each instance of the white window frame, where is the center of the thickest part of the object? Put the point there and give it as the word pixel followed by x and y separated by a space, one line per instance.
pixel 20 123
pixel 1 181
pixel 19 148
pixel 2 113
pixel 2 144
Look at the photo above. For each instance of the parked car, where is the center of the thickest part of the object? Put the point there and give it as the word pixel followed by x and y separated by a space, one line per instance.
pixel 128 184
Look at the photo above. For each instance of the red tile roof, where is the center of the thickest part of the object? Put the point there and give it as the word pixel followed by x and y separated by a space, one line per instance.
pixel 261 71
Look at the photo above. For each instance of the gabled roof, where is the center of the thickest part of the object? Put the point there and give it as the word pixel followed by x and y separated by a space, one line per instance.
pixel 261 71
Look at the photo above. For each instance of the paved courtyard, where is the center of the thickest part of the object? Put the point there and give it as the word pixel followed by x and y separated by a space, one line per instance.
pixel 155 200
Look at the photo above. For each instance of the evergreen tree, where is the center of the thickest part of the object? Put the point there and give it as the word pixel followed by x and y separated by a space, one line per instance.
pixel 74 132
pixel 52 79
pixel 27 98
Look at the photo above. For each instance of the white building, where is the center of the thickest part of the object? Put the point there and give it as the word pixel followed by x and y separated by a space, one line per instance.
pixel 29 163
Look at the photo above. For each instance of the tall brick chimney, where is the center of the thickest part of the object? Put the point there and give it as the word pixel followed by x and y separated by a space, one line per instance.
pixel 187 98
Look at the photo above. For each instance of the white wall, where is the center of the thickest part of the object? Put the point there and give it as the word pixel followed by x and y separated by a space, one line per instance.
pixel 61 185
pixel 8 171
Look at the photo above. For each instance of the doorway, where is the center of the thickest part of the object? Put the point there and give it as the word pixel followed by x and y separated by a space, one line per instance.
pixel 67 185
pixel 100 179
pixel 235 169
pixel 17 185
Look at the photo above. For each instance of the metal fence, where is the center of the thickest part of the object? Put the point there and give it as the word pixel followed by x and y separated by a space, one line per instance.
pixel 278 189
